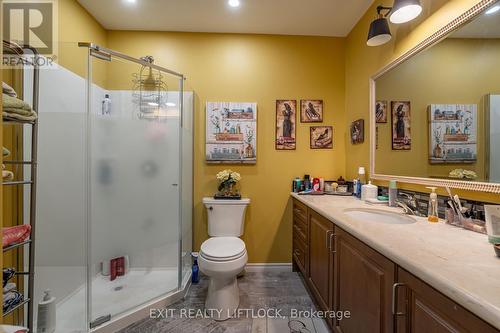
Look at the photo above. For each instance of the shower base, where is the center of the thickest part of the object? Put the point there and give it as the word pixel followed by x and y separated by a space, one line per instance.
pixel 117 297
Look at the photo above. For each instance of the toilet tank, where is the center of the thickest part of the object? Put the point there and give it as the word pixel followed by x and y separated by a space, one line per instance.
pixel 226 218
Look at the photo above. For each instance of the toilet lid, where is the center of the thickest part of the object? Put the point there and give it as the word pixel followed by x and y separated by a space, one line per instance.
pixel 222 248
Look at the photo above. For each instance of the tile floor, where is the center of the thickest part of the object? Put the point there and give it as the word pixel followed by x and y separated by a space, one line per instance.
pixel 277 290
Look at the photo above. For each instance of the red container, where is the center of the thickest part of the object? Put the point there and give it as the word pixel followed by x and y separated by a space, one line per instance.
pixel 316 184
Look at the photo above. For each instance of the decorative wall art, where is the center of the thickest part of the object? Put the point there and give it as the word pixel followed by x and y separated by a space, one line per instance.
pixel 358 131
pixel 453 133
pixel 311 111
pixel 401 125
pixel 286 119
pixel 381 111
pixel 321 137
pixel 231 133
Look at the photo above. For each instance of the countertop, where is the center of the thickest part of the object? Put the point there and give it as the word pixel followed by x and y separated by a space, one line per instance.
pixel 459 263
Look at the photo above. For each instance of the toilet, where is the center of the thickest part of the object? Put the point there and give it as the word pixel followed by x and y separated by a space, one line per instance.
pixel 223 256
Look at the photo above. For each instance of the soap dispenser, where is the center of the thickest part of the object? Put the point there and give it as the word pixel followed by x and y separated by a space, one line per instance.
pixel 432 215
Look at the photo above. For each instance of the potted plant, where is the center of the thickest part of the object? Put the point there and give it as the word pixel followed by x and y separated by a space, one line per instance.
pixel 227 181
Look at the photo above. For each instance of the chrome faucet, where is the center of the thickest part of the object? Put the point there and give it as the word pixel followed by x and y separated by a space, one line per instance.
pixel 410 205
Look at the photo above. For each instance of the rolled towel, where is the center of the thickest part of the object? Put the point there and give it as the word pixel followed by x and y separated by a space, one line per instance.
pixel 13 103
pixel 6 89
pixel 7 175
pixel 9 287
pixel 5 152
pixel 8 273
pixel 16 234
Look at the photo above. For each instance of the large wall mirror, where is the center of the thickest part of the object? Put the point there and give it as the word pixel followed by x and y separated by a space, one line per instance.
pixel 436 112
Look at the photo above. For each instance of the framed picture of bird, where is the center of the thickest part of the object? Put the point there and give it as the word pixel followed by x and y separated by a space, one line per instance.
pixel 311 111
pixel 321 137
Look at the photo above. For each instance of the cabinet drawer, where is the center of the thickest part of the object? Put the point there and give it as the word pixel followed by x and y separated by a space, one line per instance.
pixel 300 255
pixel 300 230
pixel 299 211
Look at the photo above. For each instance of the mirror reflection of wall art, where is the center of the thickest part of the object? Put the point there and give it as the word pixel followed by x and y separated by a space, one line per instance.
pixel 358 132
pixel 401 125
pixel 286 119
pixel 311 111
pixel 231 132
pixel 381 111
pixel 453 131
pixel 321 137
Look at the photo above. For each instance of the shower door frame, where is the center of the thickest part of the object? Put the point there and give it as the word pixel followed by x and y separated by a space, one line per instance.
pixel 106 54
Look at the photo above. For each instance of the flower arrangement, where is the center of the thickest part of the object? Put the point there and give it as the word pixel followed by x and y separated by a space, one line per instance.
pixel 463 174
pixel 227 179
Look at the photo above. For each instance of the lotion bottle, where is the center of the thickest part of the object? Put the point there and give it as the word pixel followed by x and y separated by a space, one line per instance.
pixel 432 215
pixel 46 320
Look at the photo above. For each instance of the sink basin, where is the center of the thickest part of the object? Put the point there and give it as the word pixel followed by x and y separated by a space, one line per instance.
pixel 379 216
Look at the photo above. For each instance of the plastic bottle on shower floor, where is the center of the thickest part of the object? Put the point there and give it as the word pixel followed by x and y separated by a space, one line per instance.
pixel 195 270
pixel 46 322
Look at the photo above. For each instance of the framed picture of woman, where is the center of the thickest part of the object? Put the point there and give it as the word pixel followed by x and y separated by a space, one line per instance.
pixel 401 125
pixel 286 119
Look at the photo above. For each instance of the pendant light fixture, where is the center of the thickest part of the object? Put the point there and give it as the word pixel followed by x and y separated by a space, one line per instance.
pixel 401 12
pixel 379 32
pixel 405 10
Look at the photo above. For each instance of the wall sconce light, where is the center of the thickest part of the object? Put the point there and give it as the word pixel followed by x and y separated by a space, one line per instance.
pixel 401 12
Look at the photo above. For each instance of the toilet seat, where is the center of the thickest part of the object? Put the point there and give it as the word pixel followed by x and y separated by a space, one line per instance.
pixel 223 249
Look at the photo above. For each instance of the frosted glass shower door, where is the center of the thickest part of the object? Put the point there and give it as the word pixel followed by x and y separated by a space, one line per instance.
pixel 134 187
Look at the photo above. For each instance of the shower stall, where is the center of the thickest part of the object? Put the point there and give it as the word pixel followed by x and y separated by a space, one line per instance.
pixel 115 187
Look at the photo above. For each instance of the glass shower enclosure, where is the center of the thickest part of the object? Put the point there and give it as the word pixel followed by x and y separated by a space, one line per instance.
pixel 116 159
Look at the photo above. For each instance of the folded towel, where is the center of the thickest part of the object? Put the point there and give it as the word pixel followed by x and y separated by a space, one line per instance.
pixel 5 152
pixel 11 299
pixel 16 234
pixel 8 273
pixel 9 102
pixel 6 89
pixel 16 116
pixel 21 112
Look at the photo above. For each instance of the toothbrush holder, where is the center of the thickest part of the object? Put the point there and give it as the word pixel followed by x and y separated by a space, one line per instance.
pixel 465 222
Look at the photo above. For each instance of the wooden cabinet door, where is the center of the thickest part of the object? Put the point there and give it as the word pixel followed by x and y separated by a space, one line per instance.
pixel 363 286
pixel 422 309
pixel 320 251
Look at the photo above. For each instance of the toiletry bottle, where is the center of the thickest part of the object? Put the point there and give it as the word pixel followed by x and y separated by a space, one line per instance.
pixel 46 322
pixel 106 106
pixel 393 193
pixel 355 187
pixel 361 180
pixel 432 215
pixel 316 184
pixel 369 191
pixel 195 270
pixel 307 182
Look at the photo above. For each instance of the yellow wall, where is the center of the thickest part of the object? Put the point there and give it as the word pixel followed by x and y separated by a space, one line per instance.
pixel 77 25
pixel 442 74
pixel 362 62
pixel 254 68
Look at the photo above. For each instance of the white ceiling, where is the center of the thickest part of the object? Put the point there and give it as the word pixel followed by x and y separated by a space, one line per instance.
pixel 284 17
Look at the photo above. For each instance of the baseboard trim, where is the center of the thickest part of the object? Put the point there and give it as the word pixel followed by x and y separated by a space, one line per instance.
pixel 262 267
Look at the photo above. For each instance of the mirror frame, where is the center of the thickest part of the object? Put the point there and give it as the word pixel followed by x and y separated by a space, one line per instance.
pixel 435 38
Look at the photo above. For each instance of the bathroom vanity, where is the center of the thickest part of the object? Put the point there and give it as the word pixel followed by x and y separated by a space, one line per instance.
pixel 394 275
